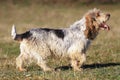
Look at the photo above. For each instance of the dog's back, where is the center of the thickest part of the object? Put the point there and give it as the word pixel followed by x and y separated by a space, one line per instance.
pixel 43 39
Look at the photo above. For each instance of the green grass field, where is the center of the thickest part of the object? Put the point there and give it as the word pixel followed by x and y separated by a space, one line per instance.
pixel 103 57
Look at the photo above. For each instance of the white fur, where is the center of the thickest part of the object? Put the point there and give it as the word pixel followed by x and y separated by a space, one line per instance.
pixel 13 32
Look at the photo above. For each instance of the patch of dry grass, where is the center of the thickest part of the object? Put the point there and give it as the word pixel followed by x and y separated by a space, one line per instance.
pixel 103 62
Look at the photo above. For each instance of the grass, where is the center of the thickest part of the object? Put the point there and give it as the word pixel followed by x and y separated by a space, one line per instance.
pixel 103 62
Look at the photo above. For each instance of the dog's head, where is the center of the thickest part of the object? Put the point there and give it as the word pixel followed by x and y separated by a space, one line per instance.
pixel 95 20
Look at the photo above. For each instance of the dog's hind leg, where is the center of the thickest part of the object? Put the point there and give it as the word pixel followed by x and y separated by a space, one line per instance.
pixel 42 64
pixel 19 62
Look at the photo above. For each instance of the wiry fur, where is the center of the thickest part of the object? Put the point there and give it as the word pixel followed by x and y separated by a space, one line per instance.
pixel 38 44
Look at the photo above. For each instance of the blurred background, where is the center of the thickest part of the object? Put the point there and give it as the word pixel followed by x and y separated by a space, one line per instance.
pixel 27 14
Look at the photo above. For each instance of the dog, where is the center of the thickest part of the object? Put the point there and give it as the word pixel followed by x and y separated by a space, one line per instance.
pixel 37 44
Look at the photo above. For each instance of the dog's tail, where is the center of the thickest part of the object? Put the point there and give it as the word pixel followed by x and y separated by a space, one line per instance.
pixel 19 37
pixel 13 32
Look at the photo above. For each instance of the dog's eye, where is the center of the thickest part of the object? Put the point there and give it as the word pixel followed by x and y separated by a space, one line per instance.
pixel 93 19
pixel 97 14
pixel 103 21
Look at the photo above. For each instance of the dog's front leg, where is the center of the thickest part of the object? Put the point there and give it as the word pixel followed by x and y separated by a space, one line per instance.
pixel 74 65
pixel 81 60
pixel 77 61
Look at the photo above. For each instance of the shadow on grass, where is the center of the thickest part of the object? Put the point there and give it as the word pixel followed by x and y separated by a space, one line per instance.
pixel 98 65
pixel 91 66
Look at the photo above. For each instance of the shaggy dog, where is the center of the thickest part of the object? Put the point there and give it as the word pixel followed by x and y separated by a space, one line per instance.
pixel 37 44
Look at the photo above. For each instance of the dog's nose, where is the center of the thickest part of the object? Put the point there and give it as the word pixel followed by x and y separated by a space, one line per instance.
pixel 108 15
